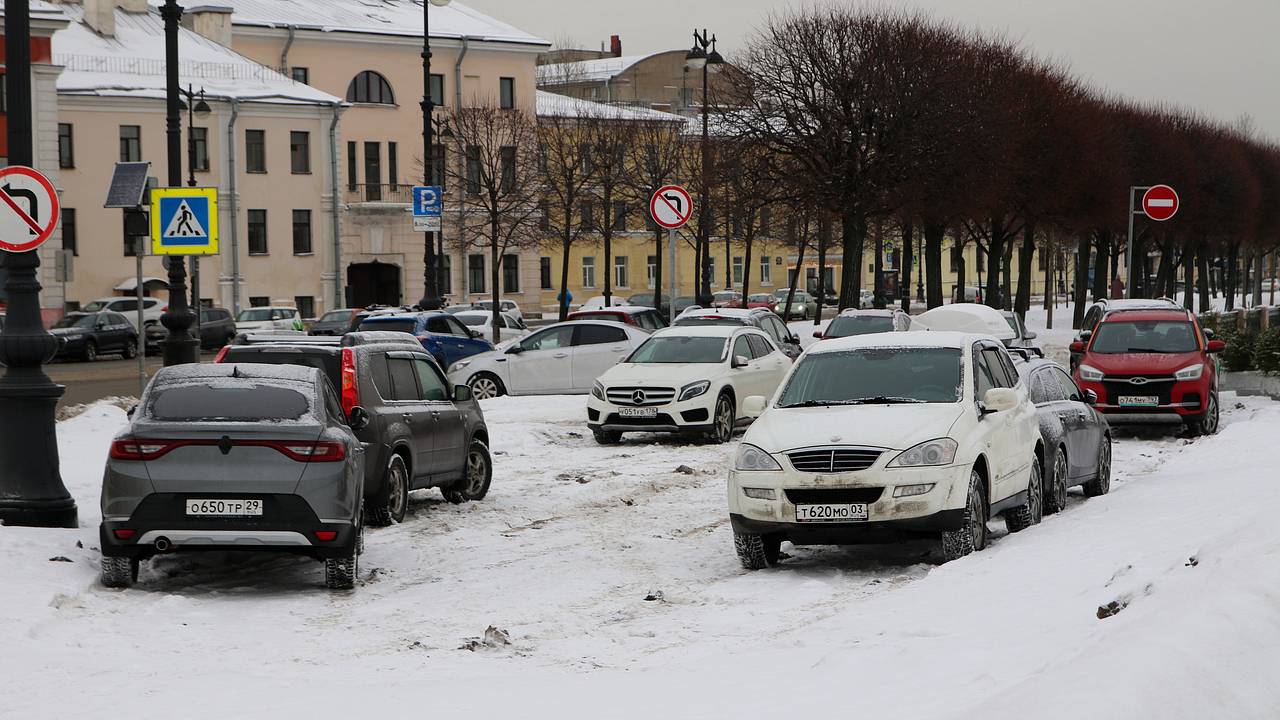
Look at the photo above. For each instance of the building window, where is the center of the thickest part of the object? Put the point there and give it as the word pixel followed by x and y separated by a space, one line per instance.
pixel 130 143
pixel 200 149
pixel 766 221
pixel 588 220
pixel 711 270
pixel 353 167
pixel 620 216
pixel 588 272
pixel 306 305
pixel 373 170
pixel 651 271
pixel 621 275
pixel 302 232
pixel 475 273
pixel 66 146
pixel 393 165
pixel 299 152
pixel 257 232
pixel 300 75
pixel 69 231
pixel 737 270
pixel 259 301
pixel 507 166
pixel 473 169
pixel 437 90
pixel 255 151
pixel 446 274
pixel 438 157
pixel 766 270
pixel 507 92
pixel 544 215
pixel 370 87
pixel 510 273
pixel 544 273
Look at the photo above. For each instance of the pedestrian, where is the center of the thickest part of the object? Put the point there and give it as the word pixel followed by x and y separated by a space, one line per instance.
pixel 564 298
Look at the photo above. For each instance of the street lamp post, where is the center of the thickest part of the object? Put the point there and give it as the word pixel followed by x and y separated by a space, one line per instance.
pixel 703 56
pixel 180 346
pixel 196 106
pixel 430 275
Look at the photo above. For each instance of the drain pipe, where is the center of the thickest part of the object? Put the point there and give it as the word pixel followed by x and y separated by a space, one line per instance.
pixel 457 105
pixel 284 54
pixel 335 220
pixel 233 196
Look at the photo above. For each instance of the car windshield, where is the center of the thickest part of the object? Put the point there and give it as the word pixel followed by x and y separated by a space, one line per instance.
pixel 1172 336
pixel 405 326
pixel 254 315
pixel 875 376
pixel 858 325
pixel 94 306
pixel 726 296
pixel 762 297
pixel 76 321
pixel 679 349
pixel 228 403
pixel 336 316
pixel 473 320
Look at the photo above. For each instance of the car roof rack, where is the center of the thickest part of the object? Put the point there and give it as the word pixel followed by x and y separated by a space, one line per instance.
pixel 379 337
pixel 288 338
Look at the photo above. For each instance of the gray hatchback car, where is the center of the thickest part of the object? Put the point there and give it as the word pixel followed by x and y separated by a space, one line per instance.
pixel 235 457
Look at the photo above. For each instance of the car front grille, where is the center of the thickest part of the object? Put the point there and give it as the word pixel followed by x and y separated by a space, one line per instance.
pixel 640 397
pixel 661 419
pixel 1161 386
pixel 808 496
pixel 834 460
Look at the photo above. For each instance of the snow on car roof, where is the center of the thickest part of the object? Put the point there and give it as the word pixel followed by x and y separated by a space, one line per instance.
pixel 702 330
pixel 1138 303
pixel 724 312
pixel 619 309
pixel 928 338
pixel 198 372
pixel 966 318
pixel 855 312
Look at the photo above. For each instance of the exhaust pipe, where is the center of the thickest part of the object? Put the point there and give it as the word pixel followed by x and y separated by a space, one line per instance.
pixel 163 544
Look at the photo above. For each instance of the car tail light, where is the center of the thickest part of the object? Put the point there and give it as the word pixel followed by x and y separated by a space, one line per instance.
pixel 323 451
pixel 350 387
pixel 123 534
pixel 221 354
pixel 326 535
pixel 134 449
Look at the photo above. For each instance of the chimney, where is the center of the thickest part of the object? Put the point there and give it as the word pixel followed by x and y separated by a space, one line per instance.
pixel 100 15
pixel 211 21
pixel 615 46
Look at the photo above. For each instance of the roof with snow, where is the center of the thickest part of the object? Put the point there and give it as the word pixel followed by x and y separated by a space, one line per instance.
pixel 587 70
pixel 562 106
pixel 131 64
pixel 375 17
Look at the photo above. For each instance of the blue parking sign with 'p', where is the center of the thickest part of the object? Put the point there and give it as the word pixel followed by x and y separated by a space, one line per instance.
pixel 427 201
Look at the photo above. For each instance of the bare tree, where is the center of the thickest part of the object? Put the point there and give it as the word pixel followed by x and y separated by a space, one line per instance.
pixel 658 155
pixel 607 140
pixel 565 171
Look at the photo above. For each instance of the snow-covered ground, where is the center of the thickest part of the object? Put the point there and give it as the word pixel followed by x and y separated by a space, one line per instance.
pixel 611 572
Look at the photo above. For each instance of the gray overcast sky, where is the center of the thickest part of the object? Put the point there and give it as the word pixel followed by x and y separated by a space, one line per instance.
pixel 1219 56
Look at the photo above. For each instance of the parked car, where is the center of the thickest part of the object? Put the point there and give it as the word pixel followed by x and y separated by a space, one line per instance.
pixel 686 380
pixel 967 294
pixel 216 329
pixel 1095 312
pixel 645 317
pixel 564 358
pixel 441 334
pixel 86 335
pixel 510 307
pixel 460 307
pixel 803 305
pixel 422 431
pixel 482 322
pixel 262 319
pixel 726 299
pixel 334 322
pixel 645 299
pixel 968 318
pixel 684 303
pixel 763 319
pixel 863 322
pixel 152 309
pixel 220 457
pixel 1076 437
pixel 379 311
pixel 766 301
pixel 877 437
pixel 1152 366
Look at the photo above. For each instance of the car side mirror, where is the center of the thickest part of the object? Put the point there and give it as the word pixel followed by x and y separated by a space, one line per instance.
pixel 1076 347
pixel 129 413
pixel 740 361
pixel 817 334
pixel 754 405
pixel 1031 335
pixel 462 393
pixel 358 418
pixel 515 349
pixel 1217 346
pixel 1000 400
pixel 1085 335
pixel 1090 397
pixel 475 333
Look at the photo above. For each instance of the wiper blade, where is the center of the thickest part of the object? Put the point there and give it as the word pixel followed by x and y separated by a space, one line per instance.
pixel 888 400
pixel 821 403
pixel 1149 350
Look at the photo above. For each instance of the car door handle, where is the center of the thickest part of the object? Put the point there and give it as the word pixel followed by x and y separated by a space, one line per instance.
pixel 560 355
pixel 407 417
pixel 435 415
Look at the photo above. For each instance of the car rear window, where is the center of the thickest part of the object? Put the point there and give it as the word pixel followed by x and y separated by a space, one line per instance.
pixel 327 363
pixel 407 326
pixel 847 326
pixel 247 402
pixel 705 320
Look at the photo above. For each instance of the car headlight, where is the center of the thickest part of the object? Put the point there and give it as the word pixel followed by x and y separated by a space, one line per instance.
pixel 753 459
pixel 912 490
pixel 931 452
pixel 1089 373
pixel 597 390
pixel 693 390
pixel 1190 372
pixel 459 365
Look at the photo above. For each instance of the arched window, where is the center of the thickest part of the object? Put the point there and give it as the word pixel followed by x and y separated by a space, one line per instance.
pixel 370 87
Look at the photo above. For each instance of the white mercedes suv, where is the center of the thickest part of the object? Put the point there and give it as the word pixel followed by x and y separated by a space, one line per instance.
pixel 889 436
pixel 686 380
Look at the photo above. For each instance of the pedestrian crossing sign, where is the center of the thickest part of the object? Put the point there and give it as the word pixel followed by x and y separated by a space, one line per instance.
pixel 184 221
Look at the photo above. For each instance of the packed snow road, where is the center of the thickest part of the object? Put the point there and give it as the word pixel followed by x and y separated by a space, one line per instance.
pixel 609 578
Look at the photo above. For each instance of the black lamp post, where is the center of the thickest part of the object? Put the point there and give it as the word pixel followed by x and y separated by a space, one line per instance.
pixel 196 107
pixel 441 129
pixel 180 346
pixel 430 275
pixel 31 489
pixel 703 56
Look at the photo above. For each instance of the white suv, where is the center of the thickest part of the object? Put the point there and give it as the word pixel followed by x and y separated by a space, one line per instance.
pixel 152 309
pixel 686 379
pixel 896 435
pixel 268 319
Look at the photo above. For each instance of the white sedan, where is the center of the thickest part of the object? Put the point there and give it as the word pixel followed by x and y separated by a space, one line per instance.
pixel 686 380
pixel 565 358
pixel 482 321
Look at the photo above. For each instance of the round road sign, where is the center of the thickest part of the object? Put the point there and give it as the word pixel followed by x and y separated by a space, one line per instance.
pixel 1160 202
pixel 671 206
pixel 28 209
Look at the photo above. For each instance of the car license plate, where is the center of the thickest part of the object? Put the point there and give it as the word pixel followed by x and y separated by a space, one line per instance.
pixel 1139 400
pixel 831 513
pixel 247 507
pixel 638 412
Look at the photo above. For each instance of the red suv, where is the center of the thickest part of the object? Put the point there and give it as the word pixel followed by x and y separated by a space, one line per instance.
pixel 1151 366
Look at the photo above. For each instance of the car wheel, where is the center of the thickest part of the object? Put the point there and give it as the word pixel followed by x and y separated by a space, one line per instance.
pixel 1101 483
pixel 722 421
pixel 476 477
pixel 1055 496
pixel 340 572
pixel 486 386
pixel 1031 512
pixel 607 437
pixel 757 552
pixel 130 349
pixel 119 572
pixel 90 351
pixel 971 536
pixel 1207 423
pixel 393 499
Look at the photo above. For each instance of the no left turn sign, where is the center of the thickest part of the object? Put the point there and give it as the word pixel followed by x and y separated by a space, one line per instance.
pixel 671 206
pixel 28 209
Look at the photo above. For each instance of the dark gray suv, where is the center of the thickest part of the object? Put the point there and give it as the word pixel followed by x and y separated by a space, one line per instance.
pixel 422 433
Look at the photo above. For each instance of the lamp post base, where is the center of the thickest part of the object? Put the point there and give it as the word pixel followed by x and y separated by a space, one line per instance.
pixel 31 489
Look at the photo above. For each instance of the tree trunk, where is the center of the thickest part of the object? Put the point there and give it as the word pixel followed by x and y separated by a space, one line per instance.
pixel 1202 282
pixel 607 235
pixel 1006 275
pixel 567 240
pixel 1162 271
pixel 1188 278
pixel 1082 280
pixel 877 263
pixel 1025 255
pixel 795 278
pixel 1231 284
pixel 746 267
pixel 1050 297
pixel 657 272
pixel 933 235
pixel 1100 277
pixel 1257 278
pixel 853 237
pixel 995 251
pixel 908 248
pixel 824 240
pixel 494 273
pixel 961 272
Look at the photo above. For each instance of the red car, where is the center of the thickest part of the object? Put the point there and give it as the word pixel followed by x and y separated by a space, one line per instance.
pixel 642 317
pixel 763 300
pixel 1152 366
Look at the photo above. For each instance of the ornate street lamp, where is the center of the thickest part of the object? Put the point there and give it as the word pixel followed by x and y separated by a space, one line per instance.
pixel 180 347
pixel 430 274
pixel 698 58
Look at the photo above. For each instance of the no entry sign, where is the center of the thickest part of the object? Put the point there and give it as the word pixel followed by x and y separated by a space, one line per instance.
pixel 28 209
pixel 1160 202
pixel 671 206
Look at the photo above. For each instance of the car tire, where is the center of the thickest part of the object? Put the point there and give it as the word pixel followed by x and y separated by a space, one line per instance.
pixel 1055 495
pixel 722 421
pixel 119 572
pixel 1032 511
pixel 1101 482
pixel 757 552
pixel 485 386
pixel 393 499
pixel 340 573
pixel 130 350
pixel 972 535
pixel 90 351
pixel 477 476
pixel 606 437
pixel 1207 422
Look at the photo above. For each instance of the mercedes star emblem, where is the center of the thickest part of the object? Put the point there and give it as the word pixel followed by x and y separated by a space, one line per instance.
pixel 637 397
